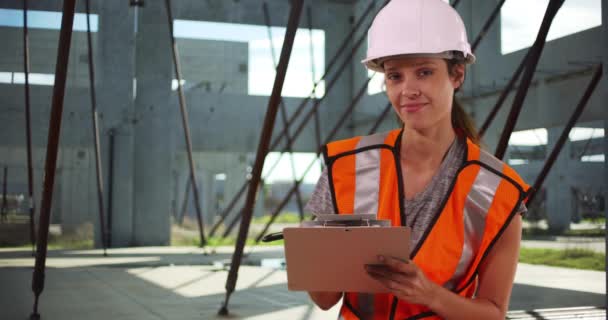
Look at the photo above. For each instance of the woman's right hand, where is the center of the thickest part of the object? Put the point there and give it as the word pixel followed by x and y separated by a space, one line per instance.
pixel 325 300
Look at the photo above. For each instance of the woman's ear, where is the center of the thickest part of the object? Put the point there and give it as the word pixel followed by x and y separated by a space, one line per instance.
pixel 457 75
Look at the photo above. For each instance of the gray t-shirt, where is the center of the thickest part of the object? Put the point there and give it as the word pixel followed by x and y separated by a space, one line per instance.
pixel 420 210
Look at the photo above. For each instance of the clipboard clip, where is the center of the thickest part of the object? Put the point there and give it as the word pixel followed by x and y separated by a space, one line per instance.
pixel 360 223
pixel 346 220
pixel 334 220
pixel 273 237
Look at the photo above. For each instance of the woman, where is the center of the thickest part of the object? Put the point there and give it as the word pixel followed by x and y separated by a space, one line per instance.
pixel 464 206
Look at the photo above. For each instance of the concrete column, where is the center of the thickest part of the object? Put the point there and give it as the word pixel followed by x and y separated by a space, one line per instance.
pixel 479 78
pixel 180 192
pixel 604 94
pixel 205 185
pixel 174 192
pixel 152 130
pixel 76 184
pixel 559 195
pixel 345 88
pixel 115 69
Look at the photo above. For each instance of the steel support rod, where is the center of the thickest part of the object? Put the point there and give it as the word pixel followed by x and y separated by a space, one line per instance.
pixel 283 111
pixel 587 145
pixel 605 177
pixel 339 124
pixel 4 208
pixel 111 134
pixel 307 117
pixel 299 109
pixel 61 68
pixel 332 81
pixel 487 25
pixel 503 95
pixel 313 73
pixel 94 119
pixel 562 138
pixel 234 200
pixel 317 127
pixel 372 130
pixel 263 147
pixel 229 208
pixel 314 77
pixel 536 50
pixel 347 40
pixel 28 130
pixel 180 219
pixel 329 86
pixel 185 123
pixel 381 118
pixel 232 224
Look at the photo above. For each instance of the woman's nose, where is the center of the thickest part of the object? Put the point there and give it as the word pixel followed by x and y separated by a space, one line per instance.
pixel 410 90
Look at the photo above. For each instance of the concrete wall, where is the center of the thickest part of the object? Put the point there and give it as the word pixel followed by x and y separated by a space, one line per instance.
pixel 214 66
pixel 43 51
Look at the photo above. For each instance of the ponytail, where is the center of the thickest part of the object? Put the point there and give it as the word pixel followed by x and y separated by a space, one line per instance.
pixel 462 122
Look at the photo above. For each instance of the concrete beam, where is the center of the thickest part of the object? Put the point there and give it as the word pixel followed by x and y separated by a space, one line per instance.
pixel 54 5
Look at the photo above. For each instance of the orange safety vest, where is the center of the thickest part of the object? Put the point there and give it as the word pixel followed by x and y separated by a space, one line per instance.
pixel 365 177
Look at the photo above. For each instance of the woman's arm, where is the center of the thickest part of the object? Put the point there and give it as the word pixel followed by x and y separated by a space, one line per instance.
pixel 325 300
pixel 496 277
pixel 321 202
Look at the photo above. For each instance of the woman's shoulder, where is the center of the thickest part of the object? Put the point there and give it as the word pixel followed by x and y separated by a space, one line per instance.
pixel 496 165
pixel 357 142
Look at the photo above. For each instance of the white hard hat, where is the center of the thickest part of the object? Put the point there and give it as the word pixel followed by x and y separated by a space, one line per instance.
pixel 416 27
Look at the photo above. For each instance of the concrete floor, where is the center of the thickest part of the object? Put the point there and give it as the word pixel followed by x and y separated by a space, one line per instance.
pixel 182 283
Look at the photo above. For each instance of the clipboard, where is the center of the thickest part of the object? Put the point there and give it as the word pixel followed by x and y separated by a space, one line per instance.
pixel 333 258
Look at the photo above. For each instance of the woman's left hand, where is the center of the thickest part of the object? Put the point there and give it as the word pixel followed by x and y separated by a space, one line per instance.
pixel 404 279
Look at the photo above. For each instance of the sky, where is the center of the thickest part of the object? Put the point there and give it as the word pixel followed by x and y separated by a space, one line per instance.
pixel 44 19
pixel 521 19
pixel 535 137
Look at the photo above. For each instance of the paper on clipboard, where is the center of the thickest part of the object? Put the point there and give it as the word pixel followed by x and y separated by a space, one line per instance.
pixel 333 258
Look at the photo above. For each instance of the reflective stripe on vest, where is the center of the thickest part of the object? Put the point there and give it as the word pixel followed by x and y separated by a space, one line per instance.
pixel 365 178
pixel 368 174
pixel 475 212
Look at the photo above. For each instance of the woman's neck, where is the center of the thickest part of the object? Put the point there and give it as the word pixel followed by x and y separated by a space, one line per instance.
pixel 426 147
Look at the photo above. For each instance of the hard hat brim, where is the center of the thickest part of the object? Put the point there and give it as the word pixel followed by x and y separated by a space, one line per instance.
pixel 376 63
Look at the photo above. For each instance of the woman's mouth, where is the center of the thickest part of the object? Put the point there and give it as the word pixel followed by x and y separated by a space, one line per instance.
pixel 413 107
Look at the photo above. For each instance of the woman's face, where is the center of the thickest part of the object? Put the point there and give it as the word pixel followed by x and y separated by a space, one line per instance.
pixel 421 90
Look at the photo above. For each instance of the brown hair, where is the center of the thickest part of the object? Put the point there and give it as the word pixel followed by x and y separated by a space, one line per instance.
pixel 461 121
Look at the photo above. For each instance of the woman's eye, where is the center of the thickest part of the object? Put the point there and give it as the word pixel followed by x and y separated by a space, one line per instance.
pixel 392 76
pixel 425 73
